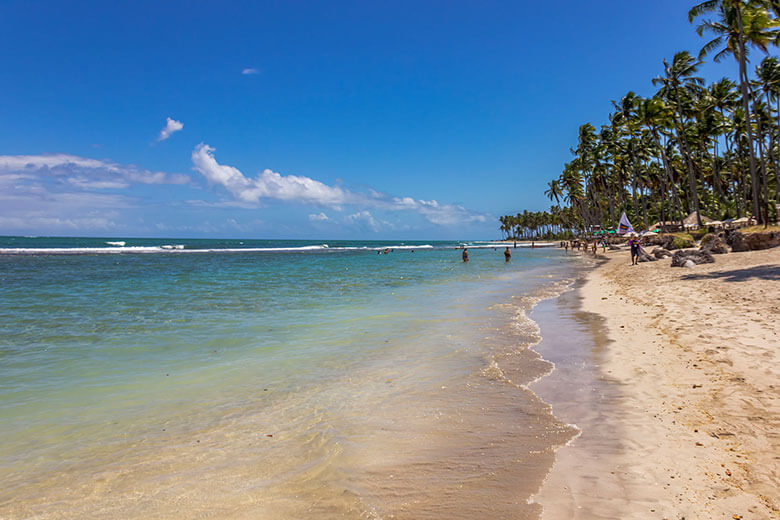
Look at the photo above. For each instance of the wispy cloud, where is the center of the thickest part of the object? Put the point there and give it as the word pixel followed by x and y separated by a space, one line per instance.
pixel 55 224
pixel 293 188
pixel 249 71
pixel 319 217
pixel 365 220
pixel 171 126
pixel 68 193
pixel 83 171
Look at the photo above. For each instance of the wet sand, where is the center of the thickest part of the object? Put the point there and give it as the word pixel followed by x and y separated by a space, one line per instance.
pixel 675 387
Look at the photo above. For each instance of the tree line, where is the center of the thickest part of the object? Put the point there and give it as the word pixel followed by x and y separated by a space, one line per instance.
pixel 690 147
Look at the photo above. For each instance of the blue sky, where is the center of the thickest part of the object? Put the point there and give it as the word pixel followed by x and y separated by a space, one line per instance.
pixel 308 119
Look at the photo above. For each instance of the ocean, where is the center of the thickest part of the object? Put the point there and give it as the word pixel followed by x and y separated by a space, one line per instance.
pixel 193 378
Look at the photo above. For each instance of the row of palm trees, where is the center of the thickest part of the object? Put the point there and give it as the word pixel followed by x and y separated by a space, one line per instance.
pixel 556 223
pixel 691 147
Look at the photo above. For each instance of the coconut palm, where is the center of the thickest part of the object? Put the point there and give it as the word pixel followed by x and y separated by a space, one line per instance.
pixel 740 23
pixel 554 190
pixel 678 78
pixel 768 80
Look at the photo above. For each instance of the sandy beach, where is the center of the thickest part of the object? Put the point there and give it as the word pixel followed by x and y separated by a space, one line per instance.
pixel 685 414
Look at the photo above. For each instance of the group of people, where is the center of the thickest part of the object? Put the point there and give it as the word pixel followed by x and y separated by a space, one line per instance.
pixel 576 245
pixel 507 254
pixel 634 243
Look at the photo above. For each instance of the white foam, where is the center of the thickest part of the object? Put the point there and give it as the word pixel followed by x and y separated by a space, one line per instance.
pixel 401 247
pixel 170 248
pixel 121 247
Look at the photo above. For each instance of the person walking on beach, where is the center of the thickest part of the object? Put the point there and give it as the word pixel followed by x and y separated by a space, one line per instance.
pixel 507 254
pixel 636 247
pixel 465 255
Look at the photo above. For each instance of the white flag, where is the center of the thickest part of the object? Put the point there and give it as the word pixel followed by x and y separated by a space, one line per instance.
pixel 624 226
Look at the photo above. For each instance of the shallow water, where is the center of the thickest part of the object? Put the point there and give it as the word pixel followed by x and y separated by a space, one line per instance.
pixel 295 383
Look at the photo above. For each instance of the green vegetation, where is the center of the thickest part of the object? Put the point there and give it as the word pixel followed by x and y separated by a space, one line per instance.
pixel 690 147
pixel 706 239
pixel 682 241
pixel 760 229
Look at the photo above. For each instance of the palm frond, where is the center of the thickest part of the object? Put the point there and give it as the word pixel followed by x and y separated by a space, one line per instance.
pixel 710 46
pixel 701 8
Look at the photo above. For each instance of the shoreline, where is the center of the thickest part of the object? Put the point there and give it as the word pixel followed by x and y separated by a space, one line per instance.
pixel 684 393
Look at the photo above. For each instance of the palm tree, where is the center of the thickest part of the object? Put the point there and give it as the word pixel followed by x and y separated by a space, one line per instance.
pixel 740 22
pixel 627 116
pixel 654 114
pixel 768 75
pixel 553 190
pixel 678 78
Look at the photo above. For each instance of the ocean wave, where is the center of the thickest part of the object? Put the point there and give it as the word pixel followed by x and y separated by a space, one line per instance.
pixel 180 248
pixel 121 246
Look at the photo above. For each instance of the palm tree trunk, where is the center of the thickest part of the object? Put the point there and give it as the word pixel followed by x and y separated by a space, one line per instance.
pixel 686 154
pixel 760 141
pixel 668 170
pixel 771 133
pixel 716 179
pixel 777 175
pixel 746 108
pixel 634 174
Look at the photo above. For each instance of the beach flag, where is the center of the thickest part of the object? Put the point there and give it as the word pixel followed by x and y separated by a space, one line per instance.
pixel 624 226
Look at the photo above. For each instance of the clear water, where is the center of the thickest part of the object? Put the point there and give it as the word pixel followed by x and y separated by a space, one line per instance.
pixel 291 380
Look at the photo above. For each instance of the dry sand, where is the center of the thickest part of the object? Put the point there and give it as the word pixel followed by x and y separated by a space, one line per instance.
pixel 692 368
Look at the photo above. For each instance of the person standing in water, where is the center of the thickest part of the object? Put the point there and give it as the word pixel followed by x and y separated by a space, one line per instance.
pixel 507 254
pixel 465 255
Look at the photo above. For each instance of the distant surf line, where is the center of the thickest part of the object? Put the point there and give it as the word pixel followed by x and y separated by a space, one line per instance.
pixel 181 249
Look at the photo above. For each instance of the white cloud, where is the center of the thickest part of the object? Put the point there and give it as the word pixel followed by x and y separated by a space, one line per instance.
pixel 320 217
pixel 66 193
pixel 221 204
pixel 365 220
pixel 249 71
pixel 28 223
pixel 171 126
pixel 83 171
pixel 267 184
pixel 272 185
pixel 441 214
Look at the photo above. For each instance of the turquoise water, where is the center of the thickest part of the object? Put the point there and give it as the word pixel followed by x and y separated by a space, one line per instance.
pixel 127 352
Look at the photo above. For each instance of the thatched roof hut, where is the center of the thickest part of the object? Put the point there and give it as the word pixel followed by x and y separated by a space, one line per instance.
pixel 690 221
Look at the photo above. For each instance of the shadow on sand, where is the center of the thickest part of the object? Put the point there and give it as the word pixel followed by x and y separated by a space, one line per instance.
pixel 764 272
